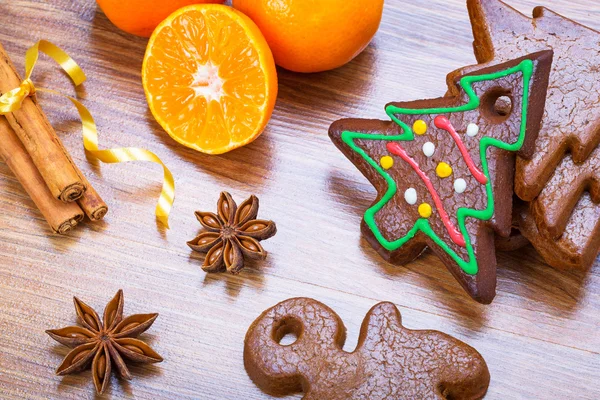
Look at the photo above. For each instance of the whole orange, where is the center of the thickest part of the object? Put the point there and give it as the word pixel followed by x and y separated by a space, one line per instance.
pixel 140 17
pixel 314 35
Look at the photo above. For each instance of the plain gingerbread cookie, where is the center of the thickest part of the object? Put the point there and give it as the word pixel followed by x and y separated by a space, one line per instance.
pixel 389 362
pixel 561 182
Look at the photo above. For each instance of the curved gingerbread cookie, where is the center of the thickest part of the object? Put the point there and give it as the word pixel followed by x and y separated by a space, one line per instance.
pixel 389 362
pixel 444 168
pixel 563 171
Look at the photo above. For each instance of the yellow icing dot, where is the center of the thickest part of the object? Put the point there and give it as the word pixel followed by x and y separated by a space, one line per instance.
pixel 443 170
pixel 420 127
pixel 386 162
pixel 425 210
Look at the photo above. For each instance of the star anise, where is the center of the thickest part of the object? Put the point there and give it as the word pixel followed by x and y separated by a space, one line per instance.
pixel 105 343
pixel 232 235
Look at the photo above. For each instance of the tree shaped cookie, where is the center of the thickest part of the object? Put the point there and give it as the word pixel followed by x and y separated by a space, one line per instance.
pixel 577 247
pixel 444 168
pixel 563 172
pixel 389 362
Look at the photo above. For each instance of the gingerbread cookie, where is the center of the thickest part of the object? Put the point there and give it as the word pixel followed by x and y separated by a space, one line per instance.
pixel 444 168
pixel 515 240
pixel 577 247
pixel 563 173
pixel 389 362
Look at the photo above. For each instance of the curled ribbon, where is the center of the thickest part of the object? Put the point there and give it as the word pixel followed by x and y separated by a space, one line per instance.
pixel 12 100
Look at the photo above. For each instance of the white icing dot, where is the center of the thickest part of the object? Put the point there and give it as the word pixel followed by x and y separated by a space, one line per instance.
pixel 472 130
pixel 410 196
pixel 428 149
pixel 460 185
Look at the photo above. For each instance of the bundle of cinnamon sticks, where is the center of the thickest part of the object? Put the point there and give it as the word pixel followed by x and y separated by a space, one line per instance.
pixel 32 150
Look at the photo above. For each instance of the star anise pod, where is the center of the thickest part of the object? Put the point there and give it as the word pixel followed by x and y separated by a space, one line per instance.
pixel 231 235
pixel 105 343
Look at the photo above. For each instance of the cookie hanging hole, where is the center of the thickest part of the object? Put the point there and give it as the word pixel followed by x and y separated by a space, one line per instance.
pixel 287 331
pixel 503 106
pixel 289 338
pixel 496 105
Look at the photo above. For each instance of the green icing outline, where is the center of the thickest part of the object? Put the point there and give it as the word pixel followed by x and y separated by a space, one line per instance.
pixel 422 224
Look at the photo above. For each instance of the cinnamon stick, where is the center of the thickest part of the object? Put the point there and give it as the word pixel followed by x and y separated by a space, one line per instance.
pixel 40 140
pixel 92 204
pixel 62 217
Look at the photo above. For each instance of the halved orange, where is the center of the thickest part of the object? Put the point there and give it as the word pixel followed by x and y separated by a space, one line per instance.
pixel 210 78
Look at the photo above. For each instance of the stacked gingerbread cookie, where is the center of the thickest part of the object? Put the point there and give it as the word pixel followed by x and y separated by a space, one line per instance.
pixel 523 122
pixel 559 185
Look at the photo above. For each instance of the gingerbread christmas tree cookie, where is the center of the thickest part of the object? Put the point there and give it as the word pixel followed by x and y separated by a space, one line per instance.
pixel 561 181
pixel 444 168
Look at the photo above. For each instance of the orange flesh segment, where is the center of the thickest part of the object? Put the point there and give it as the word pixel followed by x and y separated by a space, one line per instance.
pixel 204 81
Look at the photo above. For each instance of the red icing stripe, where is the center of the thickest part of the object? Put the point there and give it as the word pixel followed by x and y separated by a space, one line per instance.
pixel 443 123
pixel 455 234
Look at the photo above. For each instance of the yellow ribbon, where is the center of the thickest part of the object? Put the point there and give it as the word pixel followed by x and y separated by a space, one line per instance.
pixel 12 100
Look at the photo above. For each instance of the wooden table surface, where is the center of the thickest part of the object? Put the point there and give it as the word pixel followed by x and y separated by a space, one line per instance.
pixel 540 337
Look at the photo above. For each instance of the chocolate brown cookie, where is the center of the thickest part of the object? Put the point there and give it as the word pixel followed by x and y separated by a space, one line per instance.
pixel 444 168
pixel 561 180
pixel 389 362
pixel 577 247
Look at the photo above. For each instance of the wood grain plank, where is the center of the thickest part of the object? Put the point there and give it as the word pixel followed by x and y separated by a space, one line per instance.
pixel 539 337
